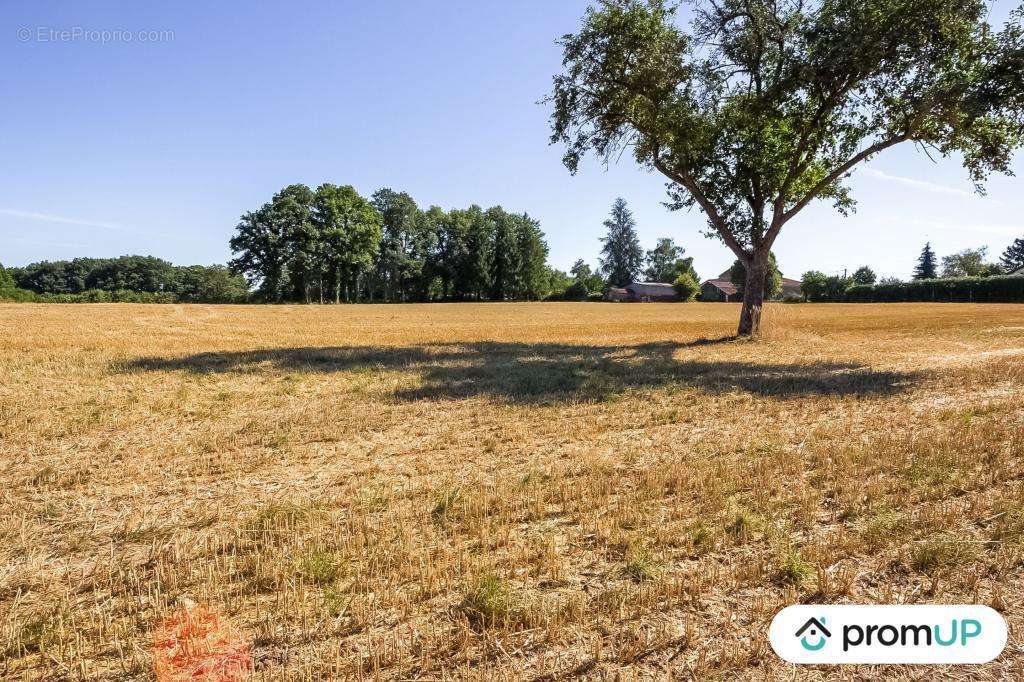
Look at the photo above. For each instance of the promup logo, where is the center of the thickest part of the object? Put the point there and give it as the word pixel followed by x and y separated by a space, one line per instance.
pixel 888 634
pixel 815 632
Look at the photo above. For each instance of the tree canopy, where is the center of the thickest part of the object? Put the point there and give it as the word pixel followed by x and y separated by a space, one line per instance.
pixel 762 107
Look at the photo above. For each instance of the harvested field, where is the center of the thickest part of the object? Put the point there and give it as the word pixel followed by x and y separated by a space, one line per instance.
pixel 499 491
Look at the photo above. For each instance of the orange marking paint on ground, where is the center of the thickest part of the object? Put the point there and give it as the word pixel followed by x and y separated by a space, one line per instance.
pixel 200 644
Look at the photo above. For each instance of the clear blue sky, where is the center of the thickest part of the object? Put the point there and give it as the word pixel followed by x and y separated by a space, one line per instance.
pixel 157 147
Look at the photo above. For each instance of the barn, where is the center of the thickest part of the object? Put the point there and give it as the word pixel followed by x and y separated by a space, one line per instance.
pixel 642 292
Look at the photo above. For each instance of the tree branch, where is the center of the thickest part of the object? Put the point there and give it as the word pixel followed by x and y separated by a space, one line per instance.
pixel 716 219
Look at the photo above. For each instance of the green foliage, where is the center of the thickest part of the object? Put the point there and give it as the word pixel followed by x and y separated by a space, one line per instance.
pixel 821 288
pixel 591 281
pixel 212 284
pixel 6 280
pixel 864 275
pixel 969 263
pixel 621 255
pixel 1013 258
pixel 761 107
pixel 926 267
pixel 687 287
pixel 127 279
pixel 962 290
pixel 349 229
pixel 665 262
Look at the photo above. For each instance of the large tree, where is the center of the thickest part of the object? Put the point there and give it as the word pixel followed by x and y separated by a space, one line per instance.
pixel 403 250
pixel 1013 258
pixel 764 106
pixel 621 255
pixel 350 228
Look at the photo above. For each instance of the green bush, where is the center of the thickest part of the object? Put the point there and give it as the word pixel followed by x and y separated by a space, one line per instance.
pixel 958 290
pixel 687 287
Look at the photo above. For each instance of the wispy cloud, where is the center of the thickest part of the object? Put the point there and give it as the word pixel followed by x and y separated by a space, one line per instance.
pixel 50 218
pixel 923 185
pixel 997 229
pixel 81 222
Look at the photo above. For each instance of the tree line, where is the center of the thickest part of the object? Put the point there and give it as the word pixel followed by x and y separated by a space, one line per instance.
pixel 127 275
pixel 964 267
pixel 333 245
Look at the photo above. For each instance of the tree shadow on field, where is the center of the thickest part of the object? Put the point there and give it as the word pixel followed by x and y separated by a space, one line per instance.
pixel 538 373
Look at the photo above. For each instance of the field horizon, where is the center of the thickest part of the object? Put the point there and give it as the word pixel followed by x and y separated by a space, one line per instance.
pixel 500 490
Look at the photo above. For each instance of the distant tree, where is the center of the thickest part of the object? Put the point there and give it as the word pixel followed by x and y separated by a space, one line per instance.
pixel 665 262
pixel 890 280
pixel 813 284
pixel 1013 258
pixel 131 273
pixel 350 229
pixel 6 280
pixel 451 253
pixel 686 285
pixel 261 251
pixel 864 275
pixel 476 272
pixel 621 255
pixel 763 107
pixel 556 283
pixel 531 270
pixel 967 263
pixel 404 248
pixel 772 277
pixel 577 291
pixel 926 266
pixel 208 284
pixel 591 281
pixel 505 261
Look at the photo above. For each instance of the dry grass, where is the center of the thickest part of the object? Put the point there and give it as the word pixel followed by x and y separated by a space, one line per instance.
pixel 500 491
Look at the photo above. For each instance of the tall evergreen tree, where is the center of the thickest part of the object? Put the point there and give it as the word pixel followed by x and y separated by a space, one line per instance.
pixel 621 255
pixel 926 264
pixel 1013 258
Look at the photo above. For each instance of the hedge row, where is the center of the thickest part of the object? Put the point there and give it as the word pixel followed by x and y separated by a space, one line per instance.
pixel 959 290
pixel 91 296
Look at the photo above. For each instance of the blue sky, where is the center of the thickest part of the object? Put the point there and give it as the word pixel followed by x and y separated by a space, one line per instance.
pixel 157 147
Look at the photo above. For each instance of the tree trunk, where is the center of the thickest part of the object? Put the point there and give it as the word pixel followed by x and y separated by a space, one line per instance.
pixel 753 296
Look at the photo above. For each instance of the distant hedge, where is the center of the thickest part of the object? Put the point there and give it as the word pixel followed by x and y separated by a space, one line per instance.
pixel 91 296
pixel 959 290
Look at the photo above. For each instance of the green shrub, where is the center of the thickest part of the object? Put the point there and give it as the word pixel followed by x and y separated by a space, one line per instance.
pixel 687 287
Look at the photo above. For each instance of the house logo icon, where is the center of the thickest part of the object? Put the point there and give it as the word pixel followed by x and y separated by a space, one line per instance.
pixel 813 634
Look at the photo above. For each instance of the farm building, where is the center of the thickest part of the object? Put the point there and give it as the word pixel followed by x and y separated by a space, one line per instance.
pixel 643 292
pixel 719 290
pixel 722 290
